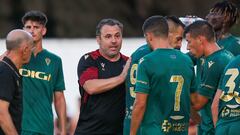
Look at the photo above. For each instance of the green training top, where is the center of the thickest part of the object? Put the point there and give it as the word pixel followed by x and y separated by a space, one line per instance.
pixel 167 76
pixel 229 103
pixel 230 43
pixel 42 76
pixel 209 73
pixel 130 84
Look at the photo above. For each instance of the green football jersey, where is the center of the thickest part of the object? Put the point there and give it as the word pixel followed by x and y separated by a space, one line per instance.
pixel 231 44
pixel 198 62
pixel 42 76
pixel 209 72
pixel 229 103
pixel 130 84
pixel 167 76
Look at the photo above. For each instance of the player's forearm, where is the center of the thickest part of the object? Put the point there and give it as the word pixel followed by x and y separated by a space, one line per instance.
pixel 6 123
pixel 214 106
pixel 97 86
pixel 198 101
pixel 214 115
pixel 137 116
pixel 60 106
pixel 195 116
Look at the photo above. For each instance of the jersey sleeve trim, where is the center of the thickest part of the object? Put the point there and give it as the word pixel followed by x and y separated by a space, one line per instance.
pixel 88 74
pixel 206 91
pixel 141 89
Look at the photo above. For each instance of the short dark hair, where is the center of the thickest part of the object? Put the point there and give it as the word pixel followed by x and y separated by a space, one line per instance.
pixel 110 22
pixel 157 25
pixel 201 28
pixel 227 8
pixel 175 20
pixel 35 15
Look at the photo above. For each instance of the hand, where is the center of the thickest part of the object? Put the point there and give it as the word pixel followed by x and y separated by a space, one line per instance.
pixel 125 69
pixel 196 118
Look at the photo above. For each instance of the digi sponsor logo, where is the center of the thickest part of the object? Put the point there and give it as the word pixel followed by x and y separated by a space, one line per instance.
pixel 35 74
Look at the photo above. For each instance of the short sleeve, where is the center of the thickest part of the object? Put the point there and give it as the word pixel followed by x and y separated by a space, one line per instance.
pixel 87 69
pixel 210 83
pixel 142 84
pixel 60 84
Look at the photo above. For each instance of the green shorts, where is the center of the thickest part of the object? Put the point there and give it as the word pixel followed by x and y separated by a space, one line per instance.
pixel 205 130
pixel 228 129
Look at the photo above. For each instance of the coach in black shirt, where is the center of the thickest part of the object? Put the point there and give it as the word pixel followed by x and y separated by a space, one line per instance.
pixel 101 76
pixel 19 45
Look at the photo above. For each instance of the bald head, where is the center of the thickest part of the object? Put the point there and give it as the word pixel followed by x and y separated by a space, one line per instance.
pixel 15 39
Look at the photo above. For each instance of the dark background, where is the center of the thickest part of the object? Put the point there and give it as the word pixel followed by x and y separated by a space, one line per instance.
pixel 78 18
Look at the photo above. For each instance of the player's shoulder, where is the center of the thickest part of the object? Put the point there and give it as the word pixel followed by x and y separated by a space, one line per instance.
pixel 4 70
pixel 51 55
pixel 220 58
pixel 124 57
pixel 89 56
pixel 234 39
pixel 235 62
pixel 183 56
pixel 140 52
pixel 224 54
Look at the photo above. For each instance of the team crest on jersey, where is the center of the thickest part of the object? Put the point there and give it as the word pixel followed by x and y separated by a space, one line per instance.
pixel 48 61
pixel 210 63
pixel 103 66
pixel 86 56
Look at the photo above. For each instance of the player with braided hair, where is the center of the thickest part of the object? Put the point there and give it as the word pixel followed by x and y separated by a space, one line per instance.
pixel 222 17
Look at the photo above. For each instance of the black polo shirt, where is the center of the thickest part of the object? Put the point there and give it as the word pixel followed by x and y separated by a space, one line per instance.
pixel 101 114
pixel 11 91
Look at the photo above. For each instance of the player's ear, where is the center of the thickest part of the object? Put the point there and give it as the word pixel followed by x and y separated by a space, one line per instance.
pixel 202 39
pixel 148 36
pixel 44 31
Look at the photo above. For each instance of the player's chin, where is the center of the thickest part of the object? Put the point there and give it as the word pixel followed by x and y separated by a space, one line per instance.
pixel 113 53
pixel 114 50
